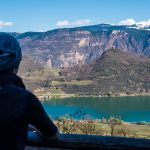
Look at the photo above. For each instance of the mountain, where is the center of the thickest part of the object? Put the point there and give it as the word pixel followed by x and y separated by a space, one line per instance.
pixel 81 45
pixel 28 66
pixel 114 73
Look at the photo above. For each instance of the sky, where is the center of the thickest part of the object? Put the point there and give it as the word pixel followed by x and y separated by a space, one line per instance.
pixel 44 15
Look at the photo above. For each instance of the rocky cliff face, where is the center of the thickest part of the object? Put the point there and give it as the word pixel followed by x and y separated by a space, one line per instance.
pixel 68 47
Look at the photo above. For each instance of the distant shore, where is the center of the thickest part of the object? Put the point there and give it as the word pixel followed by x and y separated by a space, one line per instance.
pixel 55 96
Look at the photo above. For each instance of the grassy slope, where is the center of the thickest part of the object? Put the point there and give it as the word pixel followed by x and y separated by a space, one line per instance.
pixel 115 73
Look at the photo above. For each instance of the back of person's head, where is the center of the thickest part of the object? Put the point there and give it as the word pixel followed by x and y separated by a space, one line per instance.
pixel 10 53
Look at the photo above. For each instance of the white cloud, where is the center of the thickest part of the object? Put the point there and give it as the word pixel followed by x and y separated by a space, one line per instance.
pixel 129 21
pixel 73 23
pixel 4 24
pixel 63 23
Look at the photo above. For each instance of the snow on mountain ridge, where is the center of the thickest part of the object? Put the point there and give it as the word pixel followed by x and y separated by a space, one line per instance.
pixel 132 22
pixel 143 24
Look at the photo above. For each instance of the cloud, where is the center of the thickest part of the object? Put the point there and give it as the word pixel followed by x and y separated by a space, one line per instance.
pixel 73 23
pixel 131 21
pixel 4 24
pixel 63 23
pixel 127 22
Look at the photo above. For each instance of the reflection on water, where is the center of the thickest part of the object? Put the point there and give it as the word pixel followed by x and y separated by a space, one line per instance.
pixel 131 109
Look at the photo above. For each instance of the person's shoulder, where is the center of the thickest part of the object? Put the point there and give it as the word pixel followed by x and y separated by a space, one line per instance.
pixel 19 91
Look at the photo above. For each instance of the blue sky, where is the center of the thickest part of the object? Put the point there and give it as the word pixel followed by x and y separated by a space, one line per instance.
pixel 43 15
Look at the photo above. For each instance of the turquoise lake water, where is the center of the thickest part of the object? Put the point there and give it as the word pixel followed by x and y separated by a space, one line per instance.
pixel 131 109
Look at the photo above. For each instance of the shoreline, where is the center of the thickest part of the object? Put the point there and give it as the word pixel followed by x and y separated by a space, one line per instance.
pixel 46 97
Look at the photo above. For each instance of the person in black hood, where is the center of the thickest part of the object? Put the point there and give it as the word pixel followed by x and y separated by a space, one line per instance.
pixel 18 106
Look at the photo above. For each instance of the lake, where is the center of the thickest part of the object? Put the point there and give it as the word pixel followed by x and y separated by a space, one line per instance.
pixel 131 109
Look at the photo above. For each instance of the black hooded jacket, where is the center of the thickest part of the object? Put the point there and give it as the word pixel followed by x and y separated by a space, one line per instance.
pixel 18 108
